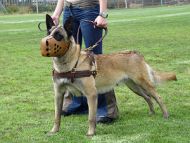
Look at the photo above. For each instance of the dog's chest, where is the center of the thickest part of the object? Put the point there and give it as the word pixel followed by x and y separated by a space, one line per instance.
pixel 61 81
pixel 66 84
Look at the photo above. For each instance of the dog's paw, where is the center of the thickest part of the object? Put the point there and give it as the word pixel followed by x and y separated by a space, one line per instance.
pixel 89 135
pixel 152 113
pixel 50 133
pixel 166 116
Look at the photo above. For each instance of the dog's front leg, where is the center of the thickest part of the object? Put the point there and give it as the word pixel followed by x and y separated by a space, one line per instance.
pixel 92 106
pixel 58 101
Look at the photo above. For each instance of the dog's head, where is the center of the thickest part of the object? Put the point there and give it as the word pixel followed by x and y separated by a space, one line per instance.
pixel 57 41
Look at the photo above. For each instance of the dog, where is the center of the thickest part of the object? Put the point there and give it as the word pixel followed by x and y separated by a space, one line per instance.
pixel 81 73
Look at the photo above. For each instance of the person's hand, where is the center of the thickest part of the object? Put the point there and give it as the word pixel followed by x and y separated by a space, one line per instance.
pixel 101 22
pixel 55 19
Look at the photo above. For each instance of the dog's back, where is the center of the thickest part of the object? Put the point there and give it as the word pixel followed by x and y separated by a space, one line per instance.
pixel 113 68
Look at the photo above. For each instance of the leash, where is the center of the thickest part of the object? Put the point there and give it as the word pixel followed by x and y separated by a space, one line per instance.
pixel 39 26
pixel 69 5
pixel 90 48
pixel 73 74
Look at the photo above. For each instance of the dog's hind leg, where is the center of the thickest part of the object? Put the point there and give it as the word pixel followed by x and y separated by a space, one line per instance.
pixel 58 101
pixel 141 92
pixel 150 104
pixel 158 99
pixel 150 89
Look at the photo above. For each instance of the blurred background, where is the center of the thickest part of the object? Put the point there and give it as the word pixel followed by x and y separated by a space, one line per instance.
pixel 39 6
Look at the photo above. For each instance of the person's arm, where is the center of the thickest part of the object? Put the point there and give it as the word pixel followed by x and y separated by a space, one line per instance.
pixel 57 12
pixel 101 21
pixel 103 5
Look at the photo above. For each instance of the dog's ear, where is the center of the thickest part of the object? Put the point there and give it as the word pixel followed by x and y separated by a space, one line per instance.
pixel 49 22
pixel 68 25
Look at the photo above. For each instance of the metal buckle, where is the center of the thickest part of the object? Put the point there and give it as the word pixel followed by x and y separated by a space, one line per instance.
pixel 73 70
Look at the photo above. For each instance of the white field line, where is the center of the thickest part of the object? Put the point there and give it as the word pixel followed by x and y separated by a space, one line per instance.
pixel 183 62
pixel 149 17
pixel 125 139
pixel 122 20
pixel 15 30
pixel 174 14
pixel 110 21
pixel 17 22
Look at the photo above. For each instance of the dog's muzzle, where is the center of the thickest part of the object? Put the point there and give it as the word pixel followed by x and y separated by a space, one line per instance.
pixel 50 47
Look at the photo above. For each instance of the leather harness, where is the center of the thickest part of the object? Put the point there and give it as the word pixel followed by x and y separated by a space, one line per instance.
pixel 77 74
pixel 74 74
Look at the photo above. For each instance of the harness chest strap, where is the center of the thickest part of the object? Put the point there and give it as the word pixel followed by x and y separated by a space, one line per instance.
pixel 74 74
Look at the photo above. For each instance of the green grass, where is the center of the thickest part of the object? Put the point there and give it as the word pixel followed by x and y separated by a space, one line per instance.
pixel 162 35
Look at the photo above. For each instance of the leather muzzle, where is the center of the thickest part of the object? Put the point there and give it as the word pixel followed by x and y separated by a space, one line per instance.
pixel 50 47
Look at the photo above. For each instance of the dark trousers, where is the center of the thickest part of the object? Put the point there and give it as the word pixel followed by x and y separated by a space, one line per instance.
pixel 107 106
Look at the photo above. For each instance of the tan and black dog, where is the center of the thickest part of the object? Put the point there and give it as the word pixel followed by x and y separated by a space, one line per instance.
pixel 75 71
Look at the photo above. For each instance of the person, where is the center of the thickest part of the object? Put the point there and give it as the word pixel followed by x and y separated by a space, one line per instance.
pixel 81 10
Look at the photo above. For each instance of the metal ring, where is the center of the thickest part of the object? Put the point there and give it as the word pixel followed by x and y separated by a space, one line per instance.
pixel 39 26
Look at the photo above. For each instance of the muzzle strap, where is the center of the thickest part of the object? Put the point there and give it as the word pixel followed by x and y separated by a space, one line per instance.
pixel 50 47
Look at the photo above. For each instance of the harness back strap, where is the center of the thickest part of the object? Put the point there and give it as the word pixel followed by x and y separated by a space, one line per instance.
pixel 74 74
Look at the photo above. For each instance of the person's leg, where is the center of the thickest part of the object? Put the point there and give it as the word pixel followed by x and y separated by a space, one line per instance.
pixel 107 105
pixel 108 102
pixel 76 23
pixel 73 104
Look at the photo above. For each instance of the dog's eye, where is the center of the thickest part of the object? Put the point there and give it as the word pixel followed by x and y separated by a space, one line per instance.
pixel 58 36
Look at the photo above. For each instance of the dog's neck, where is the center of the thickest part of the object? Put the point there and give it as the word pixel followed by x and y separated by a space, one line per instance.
pixel 67 62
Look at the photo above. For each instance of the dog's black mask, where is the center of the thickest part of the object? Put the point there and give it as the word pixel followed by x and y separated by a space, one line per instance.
pixel 58 36
pixel 68 26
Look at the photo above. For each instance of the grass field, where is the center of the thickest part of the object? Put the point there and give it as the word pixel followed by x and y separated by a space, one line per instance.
pixel 162 35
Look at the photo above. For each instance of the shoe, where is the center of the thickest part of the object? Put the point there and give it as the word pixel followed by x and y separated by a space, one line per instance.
pixel 65 113
pixel 79 112
pixel 104 120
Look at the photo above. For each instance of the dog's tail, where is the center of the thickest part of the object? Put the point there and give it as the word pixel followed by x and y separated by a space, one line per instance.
pixel 160 77
pixel 164 76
